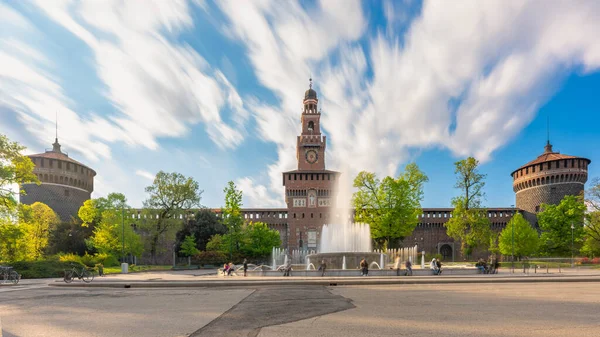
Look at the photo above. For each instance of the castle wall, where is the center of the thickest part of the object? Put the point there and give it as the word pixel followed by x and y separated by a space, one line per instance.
pixel 63 199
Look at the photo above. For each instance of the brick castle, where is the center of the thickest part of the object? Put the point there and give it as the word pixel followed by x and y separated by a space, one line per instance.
pixel 310 191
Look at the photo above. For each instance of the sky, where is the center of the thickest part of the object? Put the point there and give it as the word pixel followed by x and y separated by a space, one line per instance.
pixel 214 89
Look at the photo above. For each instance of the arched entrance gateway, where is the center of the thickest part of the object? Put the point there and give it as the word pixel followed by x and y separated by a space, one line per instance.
pixel 447 251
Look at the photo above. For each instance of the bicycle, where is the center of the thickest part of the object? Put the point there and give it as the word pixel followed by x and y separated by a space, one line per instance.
pixel 8 275
pixel 85 275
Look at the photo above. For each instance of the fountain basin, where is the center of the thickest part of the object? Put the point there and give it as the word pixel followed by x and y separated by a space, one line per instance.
pixel 336 260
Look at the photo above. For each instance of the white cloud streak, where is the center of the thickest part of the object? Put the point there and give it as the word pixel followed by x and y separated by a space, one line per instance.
pixel 496 62
pixel 145 174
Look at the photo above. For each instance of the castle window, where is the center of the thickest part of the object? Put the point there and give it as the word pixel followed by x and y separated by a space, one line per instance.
pixel 42 162
pixel 302 215
pixel 60 164
pixel 311 176
pixel 311 215
pixel 572 163
pixel 68 166
pixel 301 176
pixel 294 215
pixel 557 164
pixel 51 162
pixel 537 208
pixel 320 215
pixel 289 177
pixel 527 170
pixel 541 167
pixel 533 169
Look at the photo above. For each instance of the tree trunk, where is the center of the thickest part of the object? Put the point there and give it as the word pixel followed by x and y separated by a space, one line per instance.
pixel 153 245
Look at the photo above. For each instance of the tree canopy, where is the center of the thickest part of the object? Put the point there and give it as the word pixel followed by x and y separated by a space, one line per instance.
pixel 112 235
pixel 232 215
pixel 526 240
pixel 204 225
pixel 15 169
pixel 390 206
pixel 469 222
pixel 170 194
pixel 555 222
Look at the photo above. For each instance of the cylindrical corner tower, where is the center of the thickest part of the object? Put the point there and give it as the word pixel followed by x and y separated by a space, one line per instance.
pixel 547 180
pixel 65 183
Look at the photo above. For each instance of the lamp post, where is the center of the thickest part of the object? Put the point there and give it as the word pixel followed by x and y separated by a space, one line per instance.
pixel 123 226
pixel 512 258
pixel 572 242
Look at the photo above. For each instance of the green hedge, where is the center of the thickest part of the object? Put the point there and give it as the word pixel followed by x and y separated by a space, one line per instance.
pixel 43 268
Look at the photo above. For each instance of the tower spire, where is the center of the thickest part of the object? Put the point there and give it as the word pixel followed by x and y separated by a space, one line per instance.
pixel 56 145
pixel 310 82
pixel 548 147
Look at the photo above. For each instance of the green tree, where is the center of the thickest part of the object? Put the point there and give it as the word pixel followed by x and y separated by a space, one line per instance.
pixel 204 225
pixel 170 195
pixel 259 240
pixel 555 222
pixel 526 240
pixel 36 221
pixel 188 247
pixel 15 168
pixel 390 206
pixel 232 217
pixel 111 235
pixel 216 244
pixel 12 243
pixel 591 246
pixel 469 222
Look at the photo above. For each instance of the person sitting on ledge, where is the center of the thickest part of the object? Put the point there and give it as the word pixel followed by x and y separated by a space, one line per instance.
pixel 434 267
pixel 481 266
pixel 323 267
pixel 408 266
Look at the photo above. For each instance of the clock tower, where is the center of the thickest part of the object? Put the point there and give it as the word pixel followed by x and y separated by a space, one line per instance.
pixel 309 190
pixel 310 146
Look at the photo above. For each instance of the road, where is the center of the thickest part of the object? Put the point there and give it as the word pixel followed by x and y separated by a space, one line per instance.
pixel 516 309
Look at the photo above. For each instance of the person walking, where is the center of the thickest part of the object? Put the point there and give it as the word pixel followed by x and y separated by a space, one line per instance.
pixel 245 267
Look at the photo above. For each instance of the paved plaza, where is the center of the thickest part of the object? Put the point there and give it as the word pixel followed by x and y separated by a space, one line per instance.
pixel 561 305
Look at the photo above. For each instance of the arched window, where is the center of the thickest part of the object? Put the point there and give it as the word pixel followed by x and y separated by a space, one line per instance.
pixel 311 126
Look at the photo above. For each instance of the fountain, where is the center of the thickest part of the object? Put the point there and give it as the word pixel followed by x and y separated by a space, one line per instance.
pixel 344 245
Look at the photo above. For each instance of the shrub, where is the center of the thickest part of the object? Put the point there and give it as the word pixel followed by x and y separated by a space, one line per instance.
pixel 585 260
pixel 596 260
pixel 43 268
pixel 209 257
pixel 107 260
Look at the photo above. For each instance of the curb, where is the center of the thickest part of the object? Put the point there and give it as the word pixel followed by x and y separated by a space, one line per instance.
pixel 320 282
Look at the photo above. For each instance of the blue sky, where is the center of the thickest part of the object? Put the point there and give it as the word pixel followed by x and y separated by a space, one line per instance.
pixel 213 90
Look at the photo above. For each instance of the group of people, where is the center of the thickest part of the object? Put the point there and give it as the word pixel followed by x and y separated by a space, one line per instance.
pixel 490 267
pixel 229 268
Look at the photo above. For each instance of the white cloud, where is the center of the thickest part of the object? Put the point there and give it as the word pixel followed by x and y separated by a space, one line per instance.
pixel 498 62
pixel 158 86
pixel 145 174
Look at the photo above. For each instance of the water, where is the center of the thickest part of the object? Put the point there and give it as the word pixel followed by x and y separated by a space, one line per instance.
pixel 345 237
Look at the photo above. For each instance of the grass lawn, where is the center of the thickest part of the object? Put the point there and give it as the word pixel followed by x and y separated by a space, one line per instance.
pixel 134 269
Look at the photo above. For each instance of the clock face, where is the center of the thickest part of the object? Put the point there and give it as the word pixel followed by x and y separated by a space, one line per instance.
pixel 312 156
